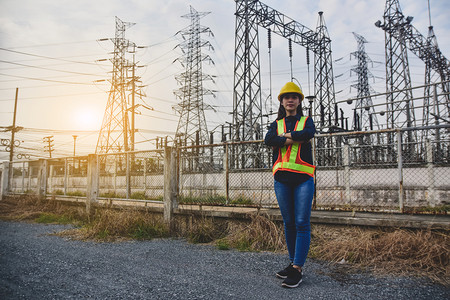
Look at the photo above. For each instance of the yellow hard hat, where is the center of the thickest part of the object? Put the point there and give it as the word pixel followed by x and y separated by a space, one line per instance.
pixel 291 87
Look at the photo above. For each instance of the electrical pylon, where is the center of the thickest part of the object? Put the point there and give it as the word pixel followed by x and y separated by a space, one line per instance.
pixel 192 123
pixel 115 133
pixel 247 103
pixel 363 107
pixel 400 35
pixel 323 78
pixel 436 106
pixel 400 107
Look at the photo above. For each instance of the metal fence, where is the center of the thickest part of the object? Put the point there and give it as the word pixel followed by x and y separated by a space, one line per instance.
pixel 383 170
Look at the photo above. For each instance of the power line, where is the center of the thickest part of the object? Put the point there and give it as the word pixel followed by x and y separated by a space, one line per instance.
pixel 49 69
pixel 47 57
pixel 47 80
pixel 54 96
pixel 53 44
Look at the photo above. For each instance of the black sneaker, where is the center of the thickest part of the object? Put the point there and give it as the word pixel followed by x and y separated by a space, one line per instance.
pixel 283 274
pixel 293 279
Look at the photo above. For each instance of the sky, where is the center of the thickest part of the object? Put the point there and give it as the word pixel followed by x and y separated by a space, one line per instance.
pixel 55 52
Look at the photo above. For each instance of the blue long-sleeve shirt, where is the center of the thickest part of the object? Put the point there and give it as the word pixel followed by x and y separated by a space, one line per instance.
pixel 272 139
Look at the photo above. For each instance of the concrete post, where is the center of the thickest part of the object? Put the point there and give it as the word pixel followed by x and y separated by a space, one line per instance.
pixel 50 183
pixel 30 172
pixel 346 163
pixel 127 175
pixel 5 180
pixel 66 175
pixel 42 179
pixel 145 175
pixel 115 173
pixel 227 173
pixel 170 185
pixel 92 183
pixel 23 177
pixel 401 192
pixel 431 181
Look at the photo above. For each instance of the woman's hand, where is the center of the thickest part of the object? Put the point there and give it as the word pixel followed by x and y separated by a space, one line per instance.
pixel 286 135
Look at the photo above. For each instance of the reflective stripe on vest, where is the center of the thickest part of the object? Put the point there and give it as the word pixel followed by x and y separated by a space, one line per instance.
pixel 289 156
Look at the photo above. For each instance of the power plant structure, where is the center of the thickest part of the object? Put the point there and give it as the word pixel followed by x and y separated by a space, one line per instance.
pixel 394 156
pixel 249 120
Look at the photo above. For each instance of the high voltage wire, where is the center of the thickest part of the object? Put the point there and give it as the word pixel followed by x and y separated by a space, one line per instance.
pixel 54 96
pixel 47 57
pixel 48 69
pixel 53 44
pixel 47 80
pixel 30 87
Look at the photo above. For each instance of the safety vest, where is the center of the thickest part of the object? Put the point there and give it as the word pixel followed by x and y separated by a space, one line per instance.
pixel 289 156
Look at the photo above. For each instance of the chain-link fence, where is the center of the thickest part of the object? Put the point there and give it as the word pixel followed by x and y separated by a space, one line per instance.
pixel 227 174
pixel 133 175
pixel 385 170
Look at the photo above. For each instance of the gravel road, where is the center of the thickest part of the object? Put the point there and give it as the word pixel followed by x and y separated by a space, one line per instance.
pixel 36 265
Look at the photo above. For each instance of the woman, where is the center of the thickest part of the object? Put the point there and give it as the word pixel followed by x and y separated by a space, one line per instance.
pixel 293 171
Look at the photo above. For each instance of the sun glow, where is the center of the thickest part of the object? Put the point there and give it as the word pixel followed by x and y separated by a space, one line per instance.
pixel 87 119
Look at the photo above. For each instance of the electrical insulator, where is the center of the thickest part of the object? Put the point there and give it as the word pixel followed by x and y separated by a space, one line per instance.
pixel 307 55
pixel 290 48
pixel 269 38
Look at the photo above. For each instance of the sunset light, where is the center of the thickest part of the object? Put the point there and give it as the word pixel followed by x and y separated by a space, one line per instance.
pixel 87 119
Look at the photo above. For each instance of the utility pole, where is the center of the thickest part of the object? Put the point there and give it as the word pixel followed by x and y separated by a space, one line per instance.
pixel 13 130
pixel 133 92
pixel 49 147
pixel 74 143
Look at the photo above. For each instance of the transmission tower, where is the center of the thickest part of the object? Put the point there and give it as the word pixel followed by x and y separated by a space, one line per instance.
pixel 115 133
pixel 400 108
pixel 323 75
pixel 192 123
pixel 401 35
pixel 366 118
pixel 436 105
pixel 247 102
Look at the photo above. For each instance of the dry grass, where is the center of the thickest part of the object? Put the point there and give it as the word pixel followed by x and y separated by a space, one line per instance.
pixel 260 234
pixel 112 225
pixel 392 251
pixel 28 207
pixel 383 251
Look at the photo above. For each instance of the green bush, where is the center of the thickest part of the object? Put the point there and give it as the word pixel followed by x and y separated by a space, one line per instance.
pixel 138 196
pixel 223 244
pixel 218 200
pixel 241 201
pixel 110 195
pixel 49 218
pixel 76 194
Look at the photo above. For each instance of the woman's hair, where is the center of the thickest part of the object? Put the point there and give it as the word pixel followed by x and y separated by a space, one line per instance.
pixel 282 111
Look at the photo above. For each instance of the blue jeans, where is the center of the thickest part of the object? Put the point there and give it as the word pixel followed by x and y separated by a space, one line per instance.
pixel 295 205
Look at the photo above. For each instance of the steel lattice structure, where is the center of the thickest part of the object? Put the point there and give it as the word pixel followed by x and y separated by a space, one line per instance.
pixel 363 107
pixel 436 106
pixel 115 133
pixel 400 108
pixel 400 35
pixel 247 103
pixel 192 123
pixel 324 105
